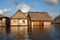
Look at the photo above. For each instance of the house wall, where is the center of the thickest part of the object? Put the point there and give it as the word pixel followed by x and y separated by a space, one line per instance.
pixel 14 21
pixel 0 22
pixel 3 22
pixel 23 22
pixel 57 21
pixel 19 22
pixel 36 22
pixel 39 22
pixel 46 23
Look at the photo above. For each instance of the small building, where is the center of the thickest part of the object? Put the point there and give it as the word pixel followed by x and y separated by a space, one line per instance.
pixel 2 20
pixel 19 18
pixel 57 20
pixel 39 18
pixel 37 21
pixel 18 23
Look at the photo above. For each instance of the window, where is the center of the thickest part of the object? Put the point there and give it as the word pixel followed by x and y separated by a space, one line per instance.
pixel 23 21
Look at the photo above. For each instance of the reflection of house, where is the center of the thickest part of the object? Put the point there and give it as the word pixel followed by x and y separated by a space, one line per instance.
pixel 57 19
pixel 19 18
pixel 39 18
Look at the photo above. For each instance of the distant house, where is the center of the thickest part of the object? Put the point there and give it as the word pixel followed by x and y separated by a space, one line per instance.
pixel 57 19
pixel 19 18
pixel 2 20
pixel 39 18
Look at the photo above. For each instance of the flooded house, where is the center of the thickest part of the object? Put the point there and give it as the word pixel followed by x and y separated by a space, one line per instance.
pixel 19 18
pixel 39 18
pixel 4 23
pixel 36 20
pixel 57 20
pixel 18 22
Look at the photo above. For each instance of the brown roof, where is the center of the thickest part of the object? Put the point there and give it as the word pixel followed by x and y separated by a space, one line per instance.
pixel 58 17
pixel 18 14
pixel 2 16
pixel 39 16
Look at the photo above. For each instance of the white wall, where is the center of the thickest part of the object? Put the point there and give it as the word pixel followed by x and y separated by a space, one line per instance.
pixel 23 23
pixel 19 22
pixel 32 24
pixel 14 22
pixel 47 23
pixel 3 21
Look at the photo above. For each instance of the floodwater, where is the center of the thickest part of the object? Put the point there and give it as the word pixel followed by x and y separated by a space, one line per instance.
pixel 51 32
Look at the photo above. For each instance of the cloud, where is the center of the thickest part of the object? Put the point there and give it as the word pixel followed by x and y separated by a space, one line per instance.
pixel 5 11
pixel 23 7
pixel 1 12
pixel 51 2
pixel 34 10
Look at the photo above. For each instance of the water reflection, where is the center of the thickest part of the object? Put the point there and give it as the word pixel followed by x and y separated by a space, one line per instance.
pixel 51 32
pixel 41 33
pixel 17 33
pixel 20 32
pixel 56 33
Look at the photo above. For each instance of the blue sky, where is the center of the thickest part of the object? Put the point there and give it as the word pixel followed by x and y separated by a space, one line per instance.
pixel 36 5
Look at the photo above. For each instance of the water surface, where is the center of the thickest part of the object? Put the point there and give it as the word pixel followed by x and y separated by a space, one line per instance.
pixel 51 32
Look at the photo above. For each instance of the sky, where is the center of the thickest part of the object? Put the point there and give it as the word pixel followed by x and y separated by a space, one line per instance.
pixel 10 7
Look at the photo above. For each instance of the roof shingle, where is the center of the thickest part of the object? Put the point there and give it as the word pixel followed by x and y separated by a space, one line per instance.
pixel 39 16
pixel 18 14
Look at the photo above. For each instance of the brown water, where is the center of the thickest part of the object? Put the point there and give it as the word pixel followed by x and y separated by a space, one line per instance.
pixel 51 32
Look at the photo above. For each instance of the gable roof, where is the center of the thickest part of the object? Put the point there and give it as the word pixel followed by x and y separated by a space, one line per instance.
pixel 18 14
pixel 39 16
pixel 58 17
pixel 2 16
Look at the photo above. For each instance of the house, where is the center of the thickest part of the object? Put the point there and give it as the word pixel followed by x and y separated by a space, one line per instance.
pixel 39 18
pixel 4 24
pixel 2 20
pixel 19 18
pixel 18 22
pixel 37 21
pixel 57 20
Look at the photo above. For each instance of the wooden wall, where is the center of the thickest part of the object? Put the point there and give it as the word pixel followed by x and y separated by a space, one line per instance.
pixel 57 21
pixel 38 22
pixel 19 22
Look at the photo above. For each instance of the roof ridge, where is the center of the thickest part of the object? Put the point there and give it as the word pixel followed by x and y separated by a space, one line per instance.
pixel 18 12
